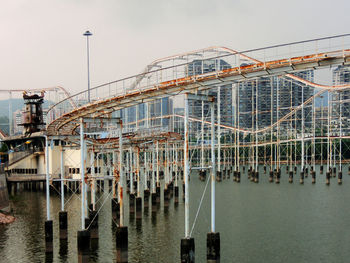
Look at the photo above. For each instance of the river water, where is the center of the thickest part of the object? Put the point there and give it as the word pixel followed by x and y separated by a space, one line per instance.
pixel 263 222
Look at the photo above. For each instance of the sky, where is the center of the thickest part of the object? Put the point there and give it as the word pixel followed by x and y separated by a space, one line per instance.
pixel 42 43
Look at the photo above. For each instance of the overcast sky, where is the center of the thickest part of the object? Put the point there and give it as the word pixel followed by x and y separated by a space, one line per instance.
pixel 42 43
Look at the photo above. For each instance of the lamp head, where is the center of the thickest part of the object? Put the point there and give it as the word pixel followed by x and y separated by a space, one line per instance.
pixel 87 33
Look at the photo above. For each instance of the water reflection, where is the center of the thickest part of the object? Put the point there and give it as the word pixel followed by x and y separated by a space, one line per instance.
pixel 257 222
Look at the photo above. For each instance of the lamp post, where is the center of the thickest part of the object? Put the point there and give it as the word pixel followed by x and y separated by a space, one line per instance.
pixel 87 34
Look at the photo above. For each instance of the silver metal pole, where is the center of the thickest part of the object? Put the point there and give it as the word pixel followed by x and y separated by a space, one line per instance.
pixel 138 170
pixel 212 169
pixel 47 178
pixel 145 176
pixel 302 129
pixel 114 172
pixel 93 190
pixel 82 158
pixel 340 130
pixel 328 134
pixel 176 164
pixel 256 125
pixel 157 157
pixel 219 129
pixel 62 178
pixel 121 175
pixel 167 176
pixel 131 171
pixel 153 169
pixel 202 134
pixel 87 34
pixel 187 170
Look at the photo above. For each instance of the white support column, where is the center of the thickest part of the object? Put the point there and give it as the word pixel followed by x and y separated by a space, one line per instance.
pixel 47 178
pixel 114 172
pixel 237 116
pixel 157 157
pixel 146 170
pixel 256 126
pixel 122 180
pixel 302 129
pixel 137 174
pixel 62 176
pixel 219 128
pixel 176 164
pixel 340 130
pixel 187 170
pixel 202 134
pixel 166 165
pixel 154 164
pixel 131 171
pixel 93 188
pixel 82 170
pixel 213 170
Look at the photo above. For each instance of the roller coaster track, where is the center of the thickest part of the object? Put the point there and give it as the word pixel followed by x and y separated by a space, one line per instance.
pixel 125 97
pixel 65 92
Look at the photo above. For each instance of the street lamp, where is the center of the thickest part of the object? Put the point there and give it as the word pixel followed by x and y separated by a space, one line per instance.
pixel 87 34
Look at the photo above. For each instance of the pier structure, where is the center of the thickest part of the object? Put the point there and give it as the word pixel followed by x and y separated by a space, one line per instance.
pixel 240 114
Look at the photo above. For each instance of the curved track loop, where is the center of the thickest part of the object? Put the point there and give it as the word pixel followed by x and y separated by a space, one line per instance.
pixel 135 93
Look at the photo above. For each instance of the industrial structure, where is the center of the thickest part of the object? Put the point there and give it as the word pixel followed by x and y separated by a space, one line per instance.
pixel 241 111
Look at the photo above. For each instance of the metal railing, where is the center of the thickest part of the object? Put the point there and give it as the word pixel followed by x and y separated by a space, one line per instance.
pixel 337 45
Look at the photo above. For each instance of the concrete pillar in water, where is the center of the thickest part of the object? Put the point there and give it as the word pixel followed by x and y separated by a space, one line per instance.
pixel 34 186
pixel 340 177
pixel 115 209
pixel 187 250
pixel 201 175
pixel 290 180
pixel 213 247
pixel 146 194
pixel 238 179
pixel 302 177
pixel 93 217
pixel 138 208
pixel 122 244
pixel 252 174
pixel 313 176
pixel 334 172
pixel 83 245
pixel 171 189
pixel 166 197
pixel 63 224
pixel 176 191
pixel 321 169
pixel 48 236
pixel 158 194
pixel 132 204
pixel 154 202
pixel 256 178
pixel 278 176
pixel 328 176
pixel 218 176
